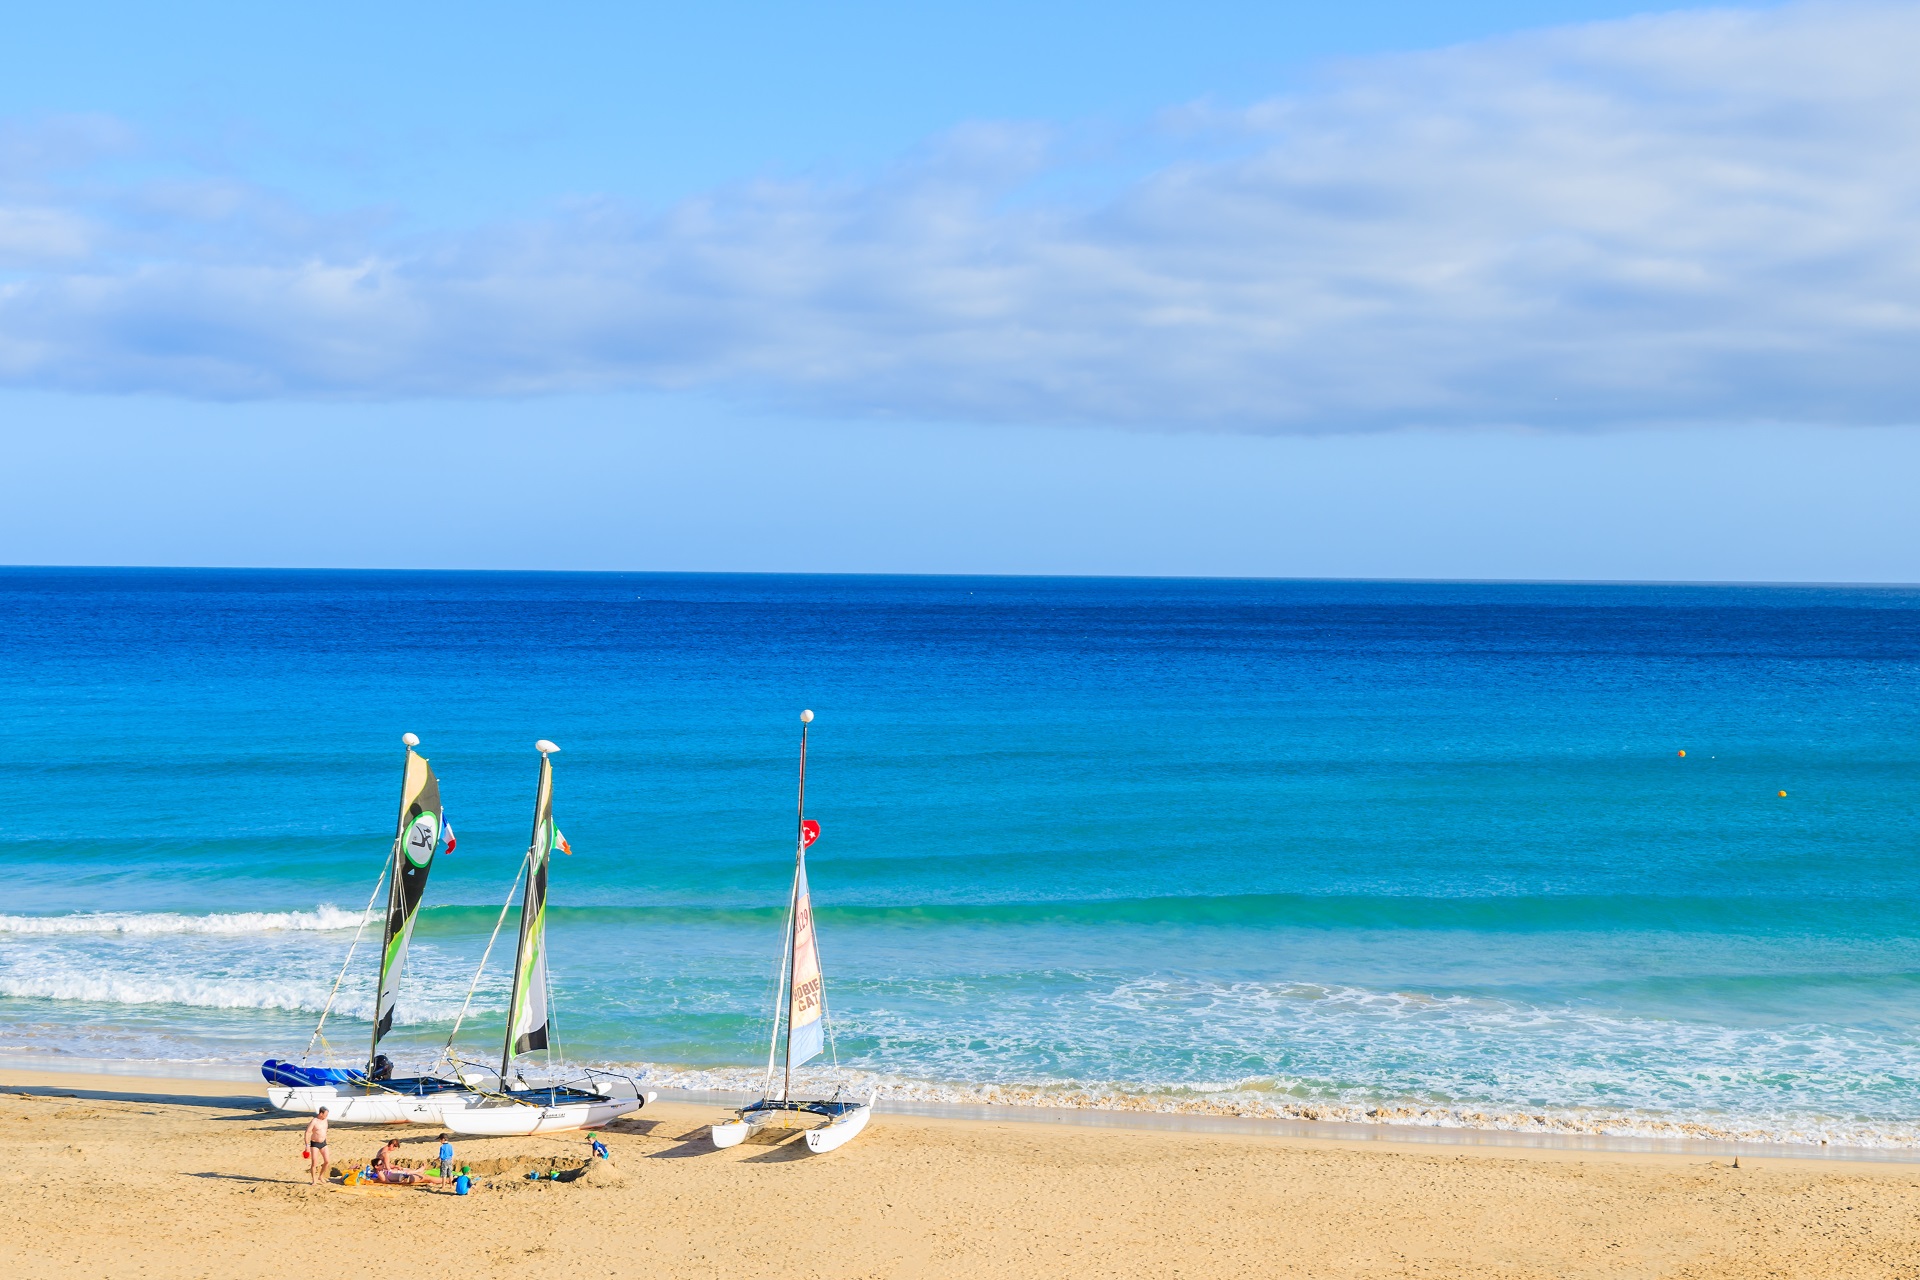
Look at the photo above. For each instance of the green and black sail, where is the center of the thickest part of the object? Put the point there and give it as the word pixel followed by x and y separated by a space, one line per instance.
pixel 527 1019
pixel 414 843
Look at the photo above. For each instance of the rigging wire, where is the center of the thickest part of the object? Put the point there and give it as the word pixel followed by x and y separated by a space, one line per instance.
pixel 365 916
pixel 772 1000
pixel 554 1050
pixel 781 988
pixel 833 1049
pixel 474 985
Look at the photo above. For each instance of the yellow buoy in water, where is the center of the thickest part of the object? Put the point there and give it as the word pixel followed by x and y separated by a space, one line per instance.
pixel 1783 795
pixel 1683 753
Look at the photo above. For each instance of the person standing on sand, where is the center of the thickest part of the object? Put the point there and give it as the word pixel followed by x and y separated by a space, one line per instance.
pixel 317 1162
pixel 446 1162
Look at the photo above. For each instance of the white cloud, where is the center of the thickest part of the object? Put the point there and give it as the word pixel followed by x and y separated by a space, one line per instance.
pixel 1695 217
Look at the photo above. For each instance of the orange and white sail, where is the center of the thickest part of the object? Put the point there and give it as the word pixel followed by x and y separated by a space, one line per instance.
pixel 806 996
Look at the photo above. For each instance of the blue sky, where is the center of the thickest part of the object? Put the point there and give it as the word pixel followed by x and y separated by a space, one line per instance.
pixel 1475 290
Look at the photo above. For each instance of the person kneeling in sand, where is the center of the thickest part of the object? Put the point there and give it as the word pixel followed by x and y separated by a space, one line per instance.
pixel 317 1163
pixel 384 1169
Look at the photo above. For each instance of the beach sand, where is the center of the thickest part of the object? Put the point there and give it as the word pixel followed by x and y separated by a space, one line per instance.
pixel 116 1176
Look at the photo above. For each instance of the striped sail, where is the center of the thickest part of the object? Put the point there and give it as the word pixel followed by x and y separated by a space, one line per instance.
pixel 527 1010
pixel 421 820
pixel 805 1000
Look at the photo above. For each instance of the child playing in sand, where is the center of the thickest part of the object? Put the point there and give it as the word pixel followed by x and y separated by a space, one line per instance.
pixel 446 1162
pixel 317 1147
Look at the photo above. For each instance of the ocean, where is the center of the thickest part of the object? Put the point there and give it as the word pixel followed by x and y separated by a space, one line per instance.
pixel 1421 852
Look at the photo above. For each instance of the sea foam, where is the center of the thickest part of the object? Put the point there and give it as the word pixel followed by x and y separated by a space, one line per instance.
pixel 1258 1100
pixel 324 918
pixel 229 993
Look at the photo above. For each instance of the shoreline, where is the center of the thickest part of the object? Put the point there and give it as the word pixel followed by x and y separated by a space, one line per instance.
pixel 229 1081
pixel 164 1178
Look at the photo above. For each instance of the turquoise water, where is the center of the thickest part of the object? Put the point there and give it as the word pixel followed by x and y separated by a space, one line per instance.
pixel 1425 850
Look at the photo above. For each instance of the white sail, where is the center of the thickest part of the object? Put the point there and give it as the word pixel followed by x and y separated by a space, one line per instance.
pixel 805 1002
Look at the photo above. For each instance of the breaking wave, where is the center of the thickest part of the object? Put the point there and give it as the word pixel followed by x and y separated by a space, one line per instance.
pixel 325 918
pixel 290 996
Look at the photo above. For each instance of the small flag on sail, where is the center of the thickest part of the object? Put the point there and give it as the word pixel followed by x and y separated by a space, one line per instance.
pixel 804 1039
pixel 446 834
pixel 809 832
pixel 560 842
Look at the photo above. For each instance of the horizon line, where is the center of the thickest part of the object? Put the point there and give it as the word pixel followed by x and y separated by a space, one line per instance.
pixel 1385 580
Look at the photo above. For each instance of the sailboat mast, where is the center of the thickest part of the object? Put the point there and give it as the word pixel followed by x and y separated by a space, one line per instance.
pixel 793 897
pixel 526 913
pixel 407 743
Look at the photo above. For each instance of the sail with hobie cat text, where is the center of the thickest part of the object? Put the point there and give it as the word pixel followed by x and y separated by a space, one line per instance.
pixel 420 828
pixel 805 1003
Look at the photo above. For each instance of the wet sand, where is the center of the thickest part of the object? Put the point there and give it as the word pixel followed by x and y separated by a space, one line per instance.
pixel 121 1176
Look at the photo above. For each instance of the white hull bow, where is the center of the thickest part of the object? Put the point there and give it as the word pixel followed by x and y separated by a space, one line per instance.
pixel 495 1118
pixel 839 1131
pixel 368 1106
pixel 735 1132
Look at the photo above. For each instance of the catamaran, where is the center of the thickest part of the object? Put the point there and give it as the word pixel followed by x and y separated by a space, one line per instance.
pixel 804 993
pixel 544 1108
pixel 372 1096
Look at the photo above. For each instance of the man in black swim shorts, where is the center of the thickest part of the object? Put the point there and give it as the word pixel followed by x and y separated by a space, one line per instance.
pixel 317 1162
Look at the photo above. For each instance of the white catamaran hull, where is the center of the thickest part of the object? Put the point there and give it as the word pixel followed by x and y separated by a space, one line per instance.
pixel 831 1136
pixel 492 1118
pixel 734 1132
pixel 839 1131
pixel 372 1107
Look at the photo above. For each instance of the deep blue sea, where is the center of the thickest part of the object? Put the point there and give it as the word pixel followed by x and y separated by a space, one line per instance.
pixel 1415 850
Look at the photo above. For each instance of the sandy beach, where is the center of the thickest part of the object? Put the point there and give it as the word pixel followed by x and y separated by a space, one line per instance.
pixel 121 1176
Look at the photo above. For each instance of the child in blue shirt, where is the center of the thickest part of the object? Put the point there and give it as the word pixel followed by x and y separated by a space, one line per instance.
pixel 446 1162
